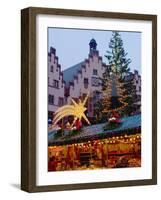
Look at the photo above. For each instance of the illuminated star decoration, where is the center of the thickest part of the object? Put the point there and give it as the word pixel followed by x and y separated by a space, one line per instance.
pixel 76 109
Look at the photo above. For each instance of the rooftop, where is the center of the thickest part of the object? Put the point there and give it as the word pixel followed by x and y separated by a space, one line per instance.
pixel 130 125
pixel 68 74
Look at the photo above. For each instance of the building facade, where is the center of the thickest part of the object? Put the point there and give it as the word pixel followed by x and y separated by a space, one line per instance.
pixel 56 84
pixel 137 83
pixel 84 78
pixel 79 80
pixel 136 79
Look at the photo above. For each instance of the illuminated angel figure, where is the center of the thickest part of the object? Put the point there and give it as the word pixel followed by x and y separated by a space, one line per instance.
pixel 76 109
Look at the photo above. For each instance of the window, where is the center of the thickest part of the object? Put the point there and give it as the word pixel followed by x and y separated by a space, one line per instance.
pixel 51 99
pixel 138 97
pixel 85 82
pixel 51 68
pixel 139 88
pixel 95 72
pixel 96 96
pixel 50 115
pixel 90 106
pixel 61 101
pixel 55 83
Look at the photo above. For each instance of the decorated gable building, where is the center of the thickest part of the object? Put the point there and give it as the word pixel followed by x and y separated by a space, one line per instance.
pixel 79 80
pixel 56 84
pixel 85 77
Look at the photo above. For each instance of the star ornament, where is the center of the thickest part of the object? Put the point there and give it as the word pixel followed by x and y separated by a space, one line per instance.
pixel 75 109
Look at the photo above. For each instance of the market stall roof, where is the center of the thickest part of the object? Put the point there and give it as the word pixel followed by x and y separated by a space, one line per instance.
pixel 130 125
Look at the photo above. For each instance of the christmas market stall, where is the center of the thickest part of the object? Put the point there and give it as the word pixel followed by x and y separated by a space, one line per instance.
pixel 95 147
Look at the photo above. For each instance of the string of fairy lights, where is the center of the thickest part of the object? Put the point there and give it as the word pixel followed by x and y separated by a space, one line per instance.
pixel 132 139
pixel 107 95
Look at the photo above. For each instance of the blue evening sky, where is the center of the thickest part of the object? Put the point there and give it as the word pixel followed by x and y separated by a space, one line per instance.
pixel 72 45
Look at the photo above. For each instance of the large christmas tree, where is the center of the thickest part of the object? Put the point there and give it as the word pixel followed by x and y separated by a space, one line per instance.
pixel 118 87
pixel 116 56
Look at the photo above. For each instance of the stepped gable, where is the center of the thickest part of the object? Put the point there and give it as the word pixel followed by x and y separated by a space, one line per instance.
pixel 54 59
pixel 72 73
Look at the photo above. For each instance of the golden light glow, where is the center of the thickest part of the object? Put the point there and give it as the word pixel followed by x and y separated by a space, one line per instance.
pixel 76 109
pixel 107 96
